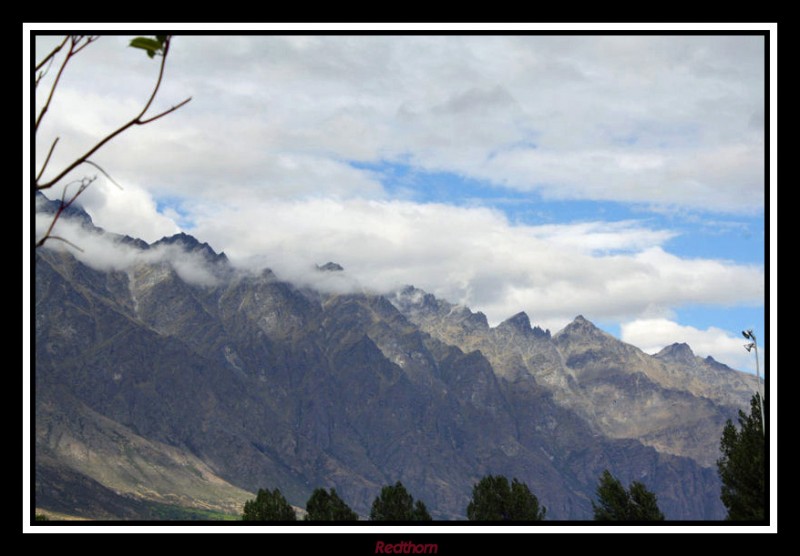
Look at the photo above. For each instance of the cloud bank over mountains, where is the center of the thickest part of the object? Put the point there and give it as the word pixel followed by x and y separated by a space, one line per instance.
pixel 273 162
pixel 471 256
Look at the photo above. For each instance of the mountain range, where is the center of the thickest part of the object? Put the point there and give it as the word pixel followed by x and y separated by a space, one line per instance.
pixel 175 386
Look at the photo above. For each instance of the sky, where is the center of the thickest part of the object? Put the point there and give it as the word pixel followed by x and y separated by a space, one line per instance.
pixel 620 177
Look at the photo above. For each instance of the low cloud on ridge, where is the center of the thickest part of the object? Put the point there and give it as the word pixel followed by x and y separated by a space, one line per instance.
pixel 105 252
pixel 472 256
pixel 475 256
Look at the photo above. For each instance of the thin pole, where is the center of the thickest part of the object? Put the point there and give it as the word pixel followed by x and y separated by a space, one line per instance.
pixel 758 378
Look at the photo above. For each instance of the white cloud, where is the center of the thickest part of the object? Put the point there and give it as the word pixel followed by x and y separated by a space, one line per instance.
pixel 660 120
pixel 726 178
pixel 607 271
pixel 103 252
pixel 130 211
pixel 598 237
pixel 652 335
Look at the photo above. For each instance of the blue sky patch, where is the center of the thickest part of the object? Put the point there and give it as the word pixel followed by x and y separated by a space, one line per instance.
pixel 173 207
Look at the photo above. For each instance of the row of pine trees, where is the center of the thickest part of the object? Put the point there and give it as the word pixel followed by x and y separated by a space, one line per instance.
pixel 494 498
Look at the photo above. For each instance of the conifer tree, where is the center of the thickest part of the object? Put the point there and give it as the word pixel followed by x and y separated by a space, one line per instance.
pixel 494 499
pixel 268 506
pixel 742 467
pixel 327 506
pixel 394 503
pixel 617 504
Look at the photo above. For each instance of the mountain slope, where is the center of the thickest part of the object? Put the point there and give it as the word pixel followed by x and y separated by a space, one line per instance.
pixel 197 393
pixel 673 404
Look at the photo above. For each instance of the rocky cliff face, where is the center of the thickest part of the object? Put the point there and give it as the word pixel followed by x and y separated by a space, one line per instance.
pixel 673 401
pixel 156 389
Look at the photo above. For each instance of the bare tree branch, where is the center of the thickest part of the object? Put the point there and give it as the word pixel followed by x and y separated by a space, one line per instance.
pixel 83 184
pixel 136 120
pixel 68 242
pixel 42 73
pixel 89 40
pixel 46 160
pixel 158 81
pixel 49 57
pixel 164 113
pixel 76 44
pixel 104 173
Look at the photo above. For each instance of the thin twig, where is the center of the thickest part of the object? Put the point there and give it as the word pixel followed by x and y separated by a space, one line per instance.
pixel 52 54
pixel 76 45
pixel 42 73
pixel 104 173
pixel 74 39
pixel 89 40
pixel 68 242
pixel 84 183
pixel 137 120
pixel 164 113
pixel 158 81
pixel 46 160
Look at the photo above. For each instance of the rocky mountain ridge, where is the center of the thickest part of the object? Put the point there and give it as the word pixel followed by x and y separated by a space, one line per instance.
pixel 673 401
pixel 161 390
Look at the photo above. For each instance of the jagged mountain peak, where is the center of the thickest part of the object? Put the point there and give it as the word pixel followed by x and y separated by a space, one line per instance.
pixel 581 325
pixel 51 206
pixel 582 331
pixel 477 320
pixel 181 238
pixel 330 267
pixel 417 303
pixel 191 244
pixel 519 322
pixel 678 352
pixel 76 213
pixel 134 242
pixel 412 297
